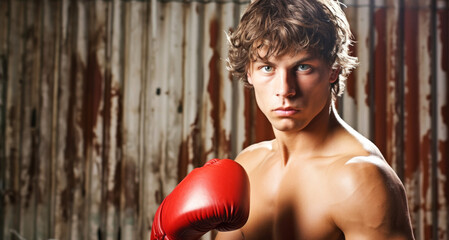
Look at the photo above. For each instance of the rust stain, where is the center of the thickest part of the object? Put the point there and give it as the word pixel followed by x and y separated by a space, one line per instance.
pixel 112 196
pixel 443 146
pixel 393 103
pixel 183 159
pixel 192 143
pixel 130 185
pixel 257 126
pixel 390 133
pixel 443 27
pixel 425 157
pixel 443 19
pixel 262 127
pixel 411 121
pixel 213 86
pixel 91 100
pixel 106 138
pixel 109 95
pixel 380 84
pixel 71 160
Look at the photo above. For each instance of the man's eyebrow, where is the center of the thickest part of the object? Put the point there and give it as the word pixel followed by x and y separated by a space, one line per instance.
pixel 260 60
pixel 305 58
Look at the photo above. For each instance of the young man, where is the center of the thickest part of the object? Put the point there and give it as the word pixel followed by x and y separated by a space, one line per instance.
pixel 319 178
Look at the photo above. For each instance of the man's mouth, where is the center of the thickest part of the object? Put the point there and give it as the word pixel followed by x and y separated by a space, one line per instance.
pixel 286 111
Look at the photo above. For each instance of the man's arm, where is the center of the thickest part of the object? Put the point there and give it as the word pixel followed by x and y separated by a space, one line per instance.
pixel 371 202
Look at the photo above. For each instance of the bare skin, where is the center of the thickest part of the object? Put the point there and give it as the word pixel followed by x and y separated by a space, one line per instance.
pixel 319 178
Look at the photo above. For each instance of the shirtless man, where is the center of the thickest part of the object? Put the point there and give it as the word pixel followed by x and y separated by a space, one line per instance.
pixel 319 178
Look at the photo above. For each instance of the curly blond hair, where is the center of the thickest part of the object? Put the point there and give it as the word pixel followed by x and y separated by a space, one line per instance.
pixel 282 26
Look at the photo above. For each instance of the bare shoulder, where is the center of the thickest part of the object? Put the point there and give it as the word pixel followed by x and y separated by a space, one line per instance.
pixel 362 176
pixel 252 155
pixel 369 199
pixel 371 168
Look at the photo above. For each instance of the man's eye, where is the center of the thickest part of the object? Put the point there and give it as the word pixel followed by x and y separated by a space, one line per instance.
pixel 267 69
pixel 303 67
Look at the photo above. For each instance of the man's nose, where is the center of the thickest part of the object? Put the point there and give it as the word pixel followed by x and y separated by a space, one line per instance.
pixel 285 84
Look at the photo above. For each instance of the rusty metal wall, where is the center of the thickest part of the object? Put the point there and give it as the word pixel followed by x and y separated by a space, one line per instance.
pixel 106 105
pixel 399 98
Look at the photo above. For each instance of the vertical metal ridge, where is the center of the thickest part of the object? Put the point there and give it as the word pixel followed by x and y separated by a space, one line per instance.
pixel 372 92
pixel 102 231
pixel 400 85
pixel 54 121
pixel 434 120
pixel 4 92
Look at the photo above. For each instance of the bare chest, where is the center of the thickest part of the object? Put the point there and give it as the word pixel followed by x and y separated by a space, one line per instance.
pixel 290 205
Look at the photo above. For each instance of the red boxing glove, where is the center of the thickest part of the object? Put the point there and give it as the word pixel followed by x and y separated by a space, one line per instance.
pixel 215 196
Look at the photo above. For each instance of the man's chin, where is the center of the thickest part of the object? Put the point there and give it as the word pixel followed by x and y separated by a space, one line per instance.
pixel 288 127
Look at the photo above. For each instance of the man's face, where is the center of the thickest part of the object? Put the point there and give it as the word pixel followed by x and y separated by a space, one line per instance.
pixel 291 90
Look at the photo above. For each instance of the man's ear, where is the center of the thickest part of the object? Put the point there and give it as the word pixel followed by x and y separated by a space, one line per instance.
pixel 248 76
pixel 334 75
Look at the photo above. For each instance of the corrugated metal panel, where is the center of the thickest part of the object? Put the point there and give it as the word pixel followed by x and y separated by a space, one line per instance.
pixel 440 115
pixel 107 105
